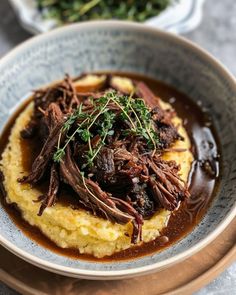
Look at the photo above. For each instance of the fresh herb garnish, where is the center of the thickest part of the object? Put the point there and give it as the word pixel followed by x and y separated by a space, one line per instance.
pixel 103 118
pixel 144 119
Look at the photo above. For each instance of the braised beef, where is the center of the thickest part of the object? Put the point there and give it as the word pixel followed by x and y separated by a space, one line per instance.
pixel 39 166
pixel 105 164
pixel 114 165
pixel 141 201
pixel 145 92
pixel 167 135
pixel 98 201
pixel 50 198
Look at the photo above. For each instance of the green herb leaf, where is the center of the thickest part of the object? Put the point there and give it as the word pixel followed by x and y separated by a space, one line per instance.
pixel 103 118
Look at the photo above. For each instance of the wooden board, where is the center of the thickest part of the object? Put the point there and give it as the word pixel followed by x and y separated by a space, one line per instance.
pixel 182 278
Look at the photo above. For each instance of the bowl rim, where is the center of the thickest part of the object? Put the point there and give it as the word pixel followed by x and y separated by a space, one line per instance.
pixel 126 273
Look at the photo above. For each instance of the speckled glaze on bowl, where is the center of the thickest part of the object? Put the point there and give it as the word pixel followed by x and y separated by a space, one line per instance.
pixel 129 47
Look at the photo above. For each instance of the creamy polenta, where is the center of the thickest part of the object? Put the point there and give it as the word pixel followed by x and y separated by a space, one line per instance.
pixel 77 228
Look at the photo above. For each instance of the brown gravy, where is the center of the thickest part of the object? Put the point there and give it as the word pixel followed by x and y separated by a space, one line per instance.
pixel 203 185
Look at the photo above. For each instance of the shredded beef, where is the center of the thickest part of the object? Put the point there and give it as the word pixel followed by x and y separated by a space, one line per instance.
pixel 127 179
pixel 50 198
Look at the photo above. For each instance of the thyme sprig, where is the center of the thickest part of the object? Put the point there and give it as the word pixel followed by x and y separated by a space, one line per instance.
pixel 146 130
pixel 78 113
pixel 83 128
pixel 102 119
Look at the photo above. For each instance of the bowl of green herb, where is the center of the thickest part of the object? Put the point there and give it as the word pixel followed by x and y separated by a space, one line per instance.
pixel 74 11
pixel 173 15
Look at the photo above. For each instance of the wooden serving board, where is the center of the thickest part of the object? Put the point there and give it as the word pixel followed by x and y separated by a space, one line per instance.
pixel 182 278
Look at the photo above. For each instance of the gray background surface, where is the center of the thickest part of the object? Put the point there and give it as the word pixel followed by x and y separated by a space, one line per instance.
pixel 217 34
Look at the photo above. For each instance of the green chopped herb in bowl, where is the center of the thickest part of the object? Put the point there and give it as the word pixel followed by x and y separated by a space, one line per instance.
pixel 78 10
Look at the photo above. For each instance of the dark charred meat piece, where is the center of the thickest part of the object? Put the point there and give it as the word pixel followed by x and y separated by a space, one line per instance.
pixel 162 116
pixel 141 201
pixel 168 135
pixel 119 183
pixel 105 164
pixel 107 147
pixel 116 182
pixel 164 126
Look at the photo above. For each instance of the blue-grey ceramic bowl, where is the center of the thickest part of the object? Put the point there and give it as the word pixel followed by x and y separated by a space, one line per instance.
pixel 134 48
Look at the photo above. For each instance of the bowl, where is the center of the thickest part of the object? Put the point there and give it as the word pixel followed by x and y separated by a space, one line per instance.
pixel 129 47
pixel 179 17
